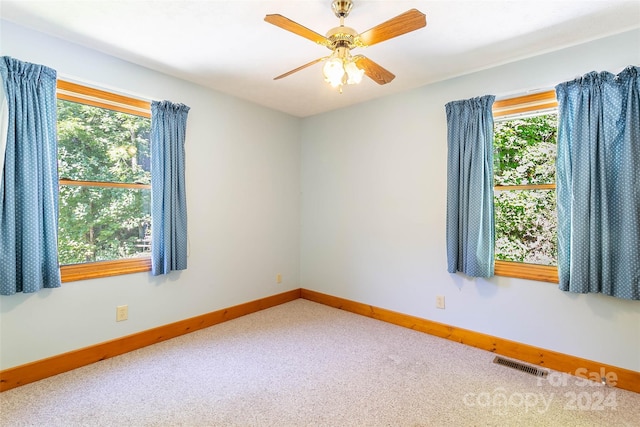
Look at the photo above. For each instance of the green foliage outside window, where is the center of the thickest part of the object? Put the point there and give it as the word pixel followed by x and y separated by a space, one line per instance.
pixel 525 150
pixel 525 219
pixel 102 222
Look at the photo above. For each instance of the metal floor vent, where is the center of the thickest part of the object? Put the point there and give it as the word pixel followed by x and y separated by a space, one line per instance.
pixel 520 366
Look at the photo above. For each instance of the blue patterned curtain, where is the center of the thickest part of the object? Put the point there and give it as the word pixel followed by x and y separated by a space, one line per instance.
pixel 598 184
pixel 29 181
pixel 470 222
pixel 168 193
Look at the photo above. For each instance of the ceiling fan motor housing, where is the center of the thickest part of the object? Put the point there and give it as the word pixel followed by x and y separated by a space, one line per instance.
pixel 342 37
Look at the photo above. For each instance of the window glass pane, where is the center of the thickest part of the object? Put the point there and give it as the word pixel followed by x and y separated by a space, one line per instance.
pixel 97 144
pixel 526 226
pixel 525 150
pixel 102 223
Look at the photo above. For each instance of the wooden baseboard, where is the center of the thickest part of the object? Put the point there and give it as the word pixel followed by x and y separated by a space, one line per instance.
pixel 624 378
pixel 40 369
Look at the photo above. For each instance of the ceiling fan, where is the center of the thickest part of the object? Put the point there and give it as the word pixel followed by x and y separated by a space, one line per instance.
pixel 341 67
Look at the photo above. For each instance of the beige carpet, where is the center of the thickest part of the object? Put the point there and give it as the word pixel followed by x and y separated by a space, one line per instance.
pixel 305 364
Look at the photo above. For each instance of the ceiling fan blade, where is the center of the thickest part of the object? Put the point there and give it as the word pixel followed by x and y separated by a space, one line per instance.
pixel 294 27
pixel 299 68
pixel 374 71
pixel 409 21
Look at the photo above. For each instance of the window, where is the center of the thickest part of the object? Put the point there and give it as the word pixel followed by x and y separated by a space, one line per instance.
pixel 525 133
pixel 104 225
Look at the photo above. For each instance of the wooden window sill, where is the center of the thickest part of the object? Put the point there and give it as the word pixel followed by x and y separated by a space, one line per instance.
pixel 94 270
pixel 543 273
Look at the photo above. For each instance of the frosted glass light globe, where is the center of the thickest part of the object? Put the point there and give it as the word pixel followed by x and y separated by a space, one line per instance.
pixel 333 71
pixel 354 73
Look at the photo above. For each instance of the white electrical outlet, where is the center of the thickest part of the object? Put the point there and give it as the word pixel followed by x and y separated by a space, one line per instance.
pixel 278 278
pixel 440 301
pixel 122 313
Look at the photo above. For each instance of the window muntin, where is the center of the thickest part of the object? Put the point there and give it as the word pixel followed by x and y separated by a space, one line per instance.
pixel 104 169
pixel 524 177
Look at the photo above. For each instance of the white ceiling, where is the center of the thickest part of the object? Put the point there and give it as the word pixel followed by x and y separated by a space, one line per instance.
pixel 227 46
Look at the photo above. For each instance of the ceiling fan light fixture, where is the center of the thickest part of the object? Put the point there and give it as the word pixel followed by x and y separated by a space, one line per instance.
pixel 340 68
pixel 333 71
pixel 354 74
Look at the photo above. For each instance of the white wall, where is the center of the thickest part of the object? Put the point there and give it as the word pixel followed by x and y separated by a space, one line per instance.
pixel 374 210
pixel 243 197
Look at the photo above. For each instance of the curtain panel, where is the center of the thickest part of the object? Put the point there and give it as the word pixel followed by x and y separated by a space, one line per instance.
pixel 29 180
pixel 598 184
pixel 168 192
pixel 470 221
